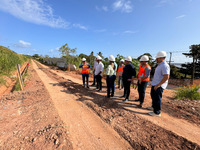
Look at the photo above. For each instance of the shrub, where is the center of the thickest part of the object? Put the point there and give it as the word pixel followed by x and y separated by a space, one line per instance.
pixel 189 92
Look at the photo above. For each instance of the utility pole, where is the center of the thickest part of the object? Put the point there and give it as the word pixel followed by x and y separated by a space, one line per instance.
pixel 170 58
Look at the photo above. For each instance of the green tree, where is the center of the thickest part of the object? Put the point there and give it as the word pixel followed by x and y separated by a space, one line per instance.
pixel 66 51
pixel 118 58
pixel 195 54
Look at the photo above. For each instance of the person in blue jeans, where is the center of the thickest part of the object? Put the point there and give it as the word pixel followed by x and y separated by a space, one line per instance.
pixel 110 78
pixel 159 83
pixel 85 71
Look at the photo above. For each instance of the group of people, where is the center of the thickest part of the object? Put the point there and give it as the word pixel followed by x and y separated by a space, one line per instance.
pixel 126 75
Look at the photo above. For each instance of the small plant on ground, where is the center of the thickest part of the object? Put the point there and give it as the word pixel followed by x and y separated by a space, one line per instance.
pixel 189 92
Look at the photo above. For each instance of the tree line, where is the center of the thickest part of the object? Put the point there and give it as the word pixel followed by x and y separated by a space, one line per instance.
pixel 189 70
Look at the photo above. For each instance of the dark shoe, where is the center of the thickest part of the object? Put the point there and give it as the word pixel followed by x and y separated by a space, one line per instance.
pixel 99 90
pixel 137 100
pixel 88 87
pixel 111 95
pixel 125 100
pixel 107 96
pixel 140 106
pixel 93 84
pixel 122 96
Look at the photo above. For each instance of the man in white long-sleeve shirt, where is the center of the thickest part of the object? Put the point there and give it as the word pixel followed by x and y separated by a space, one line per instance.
pixel 95 64
pixel 98 73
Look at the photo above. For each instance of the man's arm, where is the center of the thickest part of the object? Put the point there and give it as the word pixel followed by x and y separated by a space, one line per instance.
pixel 164 79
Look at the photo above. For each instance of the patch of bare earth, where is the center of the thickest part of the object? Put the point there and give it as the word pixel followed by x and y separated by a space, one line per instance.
pixel 28 119
pixel 140 133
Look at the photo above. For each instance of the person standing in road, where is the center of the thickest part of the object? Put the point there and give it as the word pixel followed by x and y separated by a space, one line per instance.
pixel 159 83
pixel 114 77
pixel 120 71
pixel 143 78
pixel 110 78
pixel 127 76
pixel 85 71
pixel 95 64
pixel 98 73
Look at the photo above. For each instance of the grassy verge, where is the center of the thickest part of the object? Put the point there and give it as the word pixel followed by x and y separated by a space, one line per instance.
pixel 189 92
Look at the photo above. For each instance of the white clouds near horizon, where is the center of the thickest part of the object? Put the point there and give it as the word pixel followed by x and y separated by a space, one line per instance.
pixel 130 32
pixel 102 30
pixel 34 11
pixel 123 6
pixel 180 16
pixel 80 26
pixel 22 44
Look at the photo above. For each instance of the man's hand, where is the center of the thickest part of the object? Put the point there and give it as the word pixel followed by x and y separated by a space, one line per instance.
pixel 140 81
pixel 156 87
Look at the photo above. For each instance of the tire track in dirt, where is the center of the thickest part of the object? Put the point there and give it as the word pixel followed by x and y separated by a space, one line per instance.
pixel 126 135
pixel 87 130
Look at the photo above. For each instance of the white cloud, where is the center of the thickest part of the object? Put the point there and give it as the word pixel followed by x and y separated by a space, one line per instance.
pixel 34 11
pixel 54 50
pixel 163 2
pixel 180 16
pixel 130 32
pixel 123 6
pixel 102 30
pixel 104 8
pixel 34 50
pixel 22 44
pixel 97 8
pixel 80 26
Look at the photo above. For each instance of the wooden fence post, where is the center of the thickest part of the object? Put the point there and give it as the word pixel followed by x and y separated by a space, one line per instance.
pixel 20 77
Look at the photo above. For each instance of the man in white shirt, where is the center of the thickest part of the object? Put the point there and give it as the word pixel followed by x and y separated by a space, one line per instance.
pixel 159 83
pixel 95 64
pixel 98 73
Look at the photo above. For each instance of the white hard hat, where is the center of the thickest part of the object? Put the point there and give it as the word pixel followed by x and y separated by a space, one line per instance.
pixel 161 54
pixel 83 59
pixel 99 58
pixel 128 58
pixel 111 58
pixel 144 58
pixel 121 60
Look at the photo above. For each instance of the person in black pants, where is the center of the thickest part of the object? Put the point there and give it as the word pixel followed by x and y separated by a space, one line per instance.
pixel 127 76
pixel 98 73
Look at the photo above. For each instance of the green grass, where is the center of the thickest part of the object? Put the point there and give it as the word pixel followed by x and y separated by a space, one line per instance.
pixel 188 93
pixel 9 60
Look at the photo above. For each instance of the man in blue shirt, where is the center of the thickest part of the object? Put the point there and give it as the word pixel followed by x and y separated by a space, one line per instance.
pixel 127 76
pixel 159 83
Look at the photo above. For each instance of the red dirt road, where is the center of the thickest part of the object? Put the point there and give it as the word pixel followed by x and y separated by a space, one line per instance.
pixel 56 112
pixel 87 130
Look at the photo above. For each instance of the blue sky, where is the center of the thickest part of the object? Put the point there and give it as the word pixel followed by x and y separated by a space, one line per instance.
pixel 126 27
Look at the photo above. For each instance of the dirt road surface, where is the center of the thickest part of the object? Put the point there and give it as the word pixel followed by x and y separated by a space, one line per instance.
pixel 56 112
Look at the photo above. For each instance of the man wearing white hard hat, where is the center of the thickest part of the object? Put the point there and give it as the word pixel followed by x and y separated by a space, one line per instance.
pixel 95 64
pixel 85 71
pixel 98 73
pixel 120 71
pixel 127 76
pixel 159 83
pixel 143 78
pixel 110 78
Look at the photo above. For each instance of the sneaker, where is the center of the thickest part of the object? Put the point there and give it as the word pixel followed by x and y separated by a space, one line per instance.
pixel 125 100
pixel 99 90
pixel 122 96
pixel 140 106
pixel 150 108
pixel 137 100
pixel 88 87
pixel 153 114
